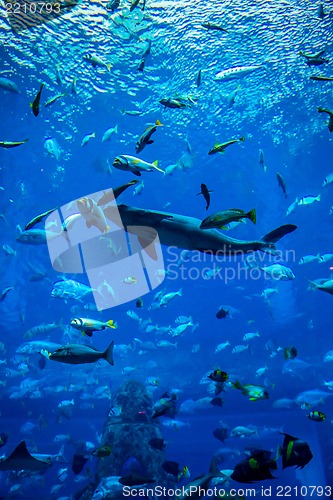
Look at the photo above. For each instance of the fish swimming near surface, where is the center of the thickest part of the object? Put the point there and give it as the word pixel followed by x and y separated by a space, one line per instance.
pixel 9 85
pixel 35 105
pixel 77 354
pixel 236 73
pixel 220 148
pixel 321 78
pixel 212 26
pixel 10 144
pixel 184 232
pixel 21 459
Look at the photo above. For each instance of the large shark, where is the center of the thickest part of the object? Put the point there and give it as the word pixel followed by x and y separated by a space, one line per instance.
pixel 184 232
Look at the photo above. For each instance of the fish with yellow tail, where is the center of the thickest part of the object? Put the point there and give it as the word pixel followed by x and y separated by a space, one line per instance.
pixel 146 136
pixel 220 148
pixel 88 326
pixel 93 214
pixel 254 392
pixel 135 165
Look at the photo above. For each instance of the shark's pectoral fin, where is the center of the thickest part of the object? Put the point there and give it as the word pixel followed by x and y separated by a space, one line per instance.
pixel 112 214
pixel 147 237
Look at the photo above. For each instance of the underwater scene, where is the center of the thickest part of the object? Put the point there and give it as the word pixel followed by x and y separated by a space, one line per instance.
pixel 166 254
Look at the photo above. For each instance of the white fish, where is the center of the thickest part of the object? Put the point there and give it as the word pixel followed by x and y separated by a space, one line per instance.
pixel 308 200
pixel 87 138
pixel 325 257
pixel 261 371
pixel 292 207
pixel 279 272
pixel 307 259
pixel 108 133
pixel 222 346
pixel 241 431
pixel 249 336
pixel 183 319
pixel 236 72
pixel 181 329
pixel 239 348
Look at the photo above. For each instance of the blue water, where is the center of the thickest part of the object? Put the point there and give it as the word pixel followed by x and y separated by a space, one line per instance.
pixel 275 109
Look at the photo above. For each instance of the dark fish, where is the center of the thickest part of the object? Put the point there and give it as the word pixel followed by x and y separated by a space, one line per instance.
pixel 79 461
pixel 223 217
pixel 222 313
pixel 9 144
pixel 172 103
pixel 75 354
pixel 157 443
pixel 317 61
pixel 199 78
pixel 294 452
pixel 36 102
pixel 321 78
pixel 206 194
pixel 212 26
pixel 218 376
pixel 146 136
pixel 4 292
pixel 254 468
pixel 38 218
pixel 221 433
pixel 262 160
pixel 142 64
pixel 102 451
pixel 317 416
pixel 282 184
pixel 135 480
pixel 20 459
